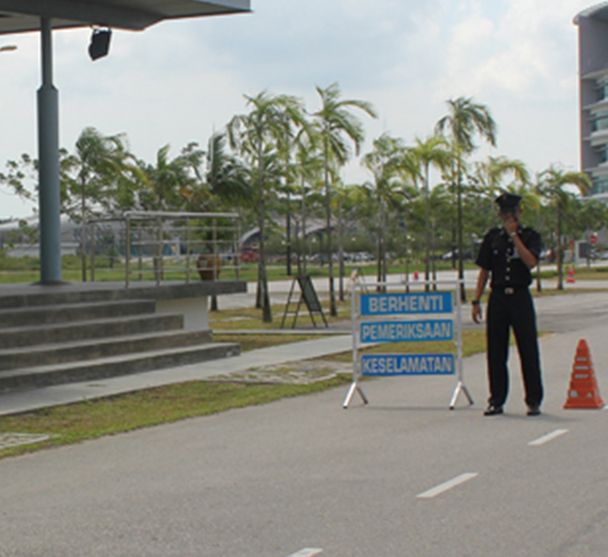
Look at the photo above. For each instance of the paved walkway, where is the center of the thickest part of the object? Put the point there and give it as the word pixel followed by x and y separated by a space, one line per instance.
pixel 16 402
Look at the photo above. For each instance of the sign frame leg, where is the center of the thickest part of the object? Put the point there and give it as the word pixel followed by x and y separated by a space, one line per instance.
pixel 460 388
pixel 354 387
pixel 356 285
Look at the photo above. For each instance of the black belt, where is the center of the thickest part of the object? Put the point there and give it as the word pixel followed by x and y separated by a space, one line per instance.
pixel 508 290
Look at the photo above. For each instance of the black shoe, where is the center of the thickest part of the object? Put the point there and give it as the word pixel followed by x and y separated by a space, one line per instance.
pixel 493 410
pixel 534 410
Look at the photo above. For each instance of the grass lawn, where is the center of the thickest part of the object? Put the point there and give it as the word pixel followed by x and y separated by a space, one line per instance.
pixel 27 269
pixel 74 423
pixel 226 320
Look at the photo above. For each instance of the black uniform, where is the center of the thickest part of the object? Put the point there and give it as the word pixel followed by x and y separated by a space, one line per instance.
pixel 510 305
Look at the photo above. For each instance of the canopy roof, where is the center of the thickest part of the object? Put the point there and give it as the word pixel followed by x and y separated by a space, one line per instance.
pixel 17 16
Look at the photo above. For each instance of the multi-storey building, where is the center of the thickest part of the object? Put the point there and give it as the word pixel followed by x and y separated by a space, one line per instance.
pixel 593 82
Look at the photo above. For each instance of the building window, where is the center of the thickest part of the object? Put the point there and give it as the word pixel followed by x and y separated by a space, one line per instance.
pixel 599 121
pixel 602 91
pixel 600 185
pixel 601 153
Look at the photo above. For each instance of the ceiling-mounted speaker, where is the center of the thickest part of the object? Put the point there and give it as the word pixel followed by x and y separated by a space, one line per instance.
pixel 100 43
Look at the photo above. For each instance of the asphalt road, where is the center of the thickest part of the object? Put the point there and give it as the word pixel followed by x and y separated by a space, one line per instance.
pixel 403 476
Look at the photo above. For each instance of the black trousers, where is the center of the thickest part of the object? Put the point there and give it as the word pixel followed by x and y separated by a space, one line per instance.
pixel 516 311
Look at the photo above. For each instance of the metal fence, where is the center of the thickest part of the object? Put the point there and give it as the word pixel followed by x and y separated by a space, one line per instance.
pixel 163 246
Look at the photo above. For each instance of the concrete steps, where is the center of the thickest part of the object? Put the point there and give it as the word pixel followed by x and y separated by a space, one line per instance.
pixel 98 348
pixel 81 336
pixel 13 337
pixel 42 376
pixel 15 317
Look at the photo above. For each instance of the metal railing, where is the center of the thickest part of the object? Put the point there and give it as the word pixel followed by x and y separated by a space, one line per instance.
pixel 162 246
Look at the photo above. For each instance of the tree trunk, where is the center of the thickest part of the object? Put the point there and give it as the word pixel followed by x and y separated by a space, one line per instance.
pixel 379 246
pixel 431 251
pixel 559 253
pixel 304 243
pixel 427 234
pixel 539 286
pixel 263 297
pixel 263 278
pixel 340 253
pixel 454 180
pixel 384 249
pixel 288 236
pixel 288 223
pixel 407 272
pixel 333 310
pixel 83 233
pixel 258 289
pixel 298 236
pixel 463 295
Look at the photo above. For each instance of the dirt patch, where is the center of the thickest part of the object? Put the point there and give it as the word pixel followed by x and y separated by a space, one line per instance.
pixel 297 373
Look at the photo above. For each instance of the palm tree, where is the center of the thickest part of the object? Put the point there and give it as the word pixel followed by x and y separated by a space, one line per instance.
pixel 309 169
pixel 552 185
pixel 464 121
pixel 341 200
pixel 295 128
pixel 255 136
pixel 384 163
pixel 433 151
pixel 166 185
pixel 440 208
pixel 88 175
pixel 225 184
pixel 225 176
pixel 491 173
pixel 219 177
pixel 337 125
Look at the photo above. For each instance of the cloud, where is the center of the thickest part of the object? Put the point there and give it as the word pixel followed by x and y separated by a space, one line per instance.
pixel 529 54
pixel 317 42
pixel 177 81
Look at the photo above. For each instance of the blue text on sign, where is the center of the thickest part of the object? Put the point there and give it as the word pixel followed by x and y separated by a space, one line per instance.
pixel 407 364
pixel 406 303
pixel 406 331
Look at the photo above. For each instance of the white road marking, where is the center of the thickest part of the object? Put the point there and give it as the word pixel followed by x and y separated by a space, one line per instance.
pixel 438 490
pixel 307 552
pixel 546 438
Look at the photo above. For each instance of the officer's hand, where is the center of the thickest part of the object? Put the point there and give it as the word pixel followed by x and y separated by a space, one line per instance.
pixel 510 224
pixel 476 313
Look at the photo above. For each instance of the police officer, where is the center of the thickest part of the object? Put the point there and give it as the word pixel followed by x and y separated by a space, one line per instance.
pixel 506 256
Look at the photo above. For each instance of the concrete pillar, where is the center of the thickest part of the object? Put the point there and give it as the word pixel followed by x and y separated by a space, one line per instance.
pixel 48 155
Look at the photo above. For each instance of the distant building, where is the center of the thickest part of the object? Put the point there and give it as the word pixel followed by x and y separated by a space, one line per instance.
pixel 593 99
pixel 19 242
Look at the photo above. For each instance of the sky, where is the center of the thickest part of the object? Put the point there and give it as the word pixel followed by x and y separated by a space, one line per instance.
pixel 180 81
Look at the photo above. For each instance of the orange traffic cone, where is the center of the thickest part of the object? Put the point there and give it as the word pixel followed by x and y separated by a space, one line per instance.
pixel 570 279
pixel 583 391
